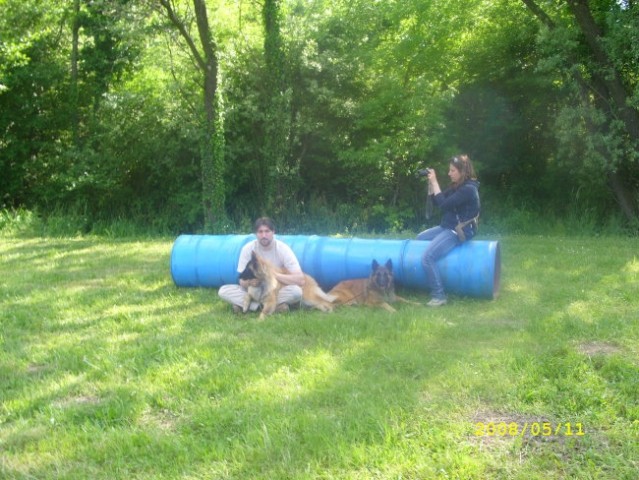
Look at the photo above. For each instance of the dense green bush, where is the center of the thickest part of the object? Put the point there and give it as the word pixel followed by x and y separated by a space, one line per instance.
pixel 325 126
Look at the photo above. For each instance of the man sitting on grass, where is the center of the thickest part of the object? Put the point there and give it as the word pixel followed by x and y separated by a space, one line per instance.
pixel 280 256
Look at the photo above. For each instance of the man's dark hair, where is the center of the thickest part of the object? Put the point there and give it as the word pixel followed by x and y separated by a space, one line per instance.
pixel 264 222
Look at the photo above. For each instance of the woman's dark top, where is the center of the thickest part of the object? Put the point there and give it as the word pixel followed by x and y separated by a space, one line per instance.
pixel 459 205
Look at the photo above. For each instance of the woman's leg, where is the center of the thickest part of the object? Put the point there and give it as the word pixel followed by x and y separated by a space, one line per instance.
pixel 442 243
pixel 430 233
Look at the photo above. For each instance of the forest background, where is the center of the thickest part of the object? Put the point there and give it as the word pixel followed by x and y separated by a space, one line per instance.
pixel 198 116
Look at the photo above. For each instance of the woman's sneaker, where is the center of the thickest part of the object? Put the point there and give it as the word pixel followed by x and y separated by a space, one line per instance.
pixel 437 302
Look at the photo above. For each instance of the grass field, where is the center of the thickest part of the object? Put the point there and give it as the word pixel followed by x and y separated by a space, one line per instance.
pixel 109 371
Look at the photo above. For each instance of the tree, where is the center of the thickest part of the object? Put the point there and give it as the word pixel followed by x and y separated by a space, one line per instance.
pixel 74 93
pixel 33 111
pixel 281 174
pixel 212 142
pixel 376 78
pixel 589 41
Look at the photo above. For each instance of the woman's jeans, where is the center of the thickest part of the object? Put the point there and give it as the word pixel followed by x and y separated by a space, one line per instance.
pixel 442 241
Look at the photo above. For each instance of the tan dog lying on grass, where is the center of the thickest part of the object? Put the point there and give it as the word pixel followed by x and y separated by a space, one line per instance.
pixel 377 290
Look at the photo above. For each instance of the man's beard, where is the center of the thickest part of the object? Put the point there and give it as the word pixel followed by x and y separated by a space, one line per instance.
pixel 265 242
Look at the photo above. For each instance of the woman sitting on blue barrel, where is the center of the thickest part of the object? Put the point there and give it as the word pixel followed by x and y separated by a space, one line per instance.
pixel 460 207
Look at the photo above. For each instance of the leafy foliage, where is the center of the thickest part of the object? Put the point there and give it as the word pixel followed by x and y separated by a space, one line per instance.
pixel 322 108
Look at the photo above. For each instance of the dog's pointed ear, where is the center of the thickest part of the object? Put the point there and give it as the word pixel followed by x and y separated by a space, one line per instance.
pixel 375 265
pixel 253 255
pixel 389 264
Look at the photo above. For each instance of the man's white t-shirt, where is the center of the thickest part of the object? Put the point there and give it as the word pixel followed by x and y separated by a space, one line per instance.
pixel 279 254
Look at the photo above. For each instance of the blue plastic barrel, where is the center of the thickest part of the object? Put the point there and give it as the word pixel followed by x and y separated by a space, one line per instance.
pixel 472 269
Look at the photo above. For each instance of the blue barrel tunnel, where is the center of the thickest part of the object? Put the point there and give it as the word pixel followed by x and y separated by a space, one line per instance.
pixel 471 269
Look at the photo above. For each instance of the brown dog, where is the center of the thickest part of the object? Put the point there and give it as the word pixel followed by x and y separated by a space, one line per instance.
pixel 264 288
pixel 377 290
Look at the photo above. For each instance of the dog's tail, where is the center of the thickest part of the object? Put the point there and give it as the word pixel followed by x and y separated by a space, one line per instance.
pixel 326 296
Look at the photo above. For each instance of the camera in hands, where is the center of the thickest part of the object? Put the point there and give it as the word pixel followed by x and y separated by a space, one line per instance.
pixel 423 172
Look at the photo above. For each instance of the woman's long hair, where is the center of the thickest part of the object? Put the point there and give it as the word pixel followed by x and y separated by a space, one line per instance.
pixel 465 167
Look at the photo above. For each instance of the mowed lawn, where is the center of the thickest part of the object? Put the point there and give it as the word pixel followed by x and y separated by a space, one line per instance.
pixel 109 371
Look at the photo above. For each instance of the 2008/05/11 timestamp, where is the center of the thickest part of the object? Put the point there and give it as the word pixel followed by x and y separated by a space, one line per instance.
pixel 535 429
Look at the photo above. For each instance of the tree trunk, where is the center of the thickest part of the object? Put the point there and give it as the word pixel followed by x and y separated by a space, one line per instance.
pixel 280 175
pixel 615 95
pixel 75 103
pixel 616 89
pixel 212 143
pixel 623 196
pixel 209 62
pixel 610 94
pixel 212 154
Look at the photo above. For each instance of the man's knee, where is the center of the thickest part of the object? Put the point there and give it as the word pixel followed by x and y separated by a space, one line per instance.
pixel 230 293
pixel 290 294
pixel 223 291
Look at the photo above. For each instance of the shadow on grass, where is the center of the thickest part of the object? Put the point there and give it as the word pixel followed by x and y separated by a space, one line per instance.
pixel 100 341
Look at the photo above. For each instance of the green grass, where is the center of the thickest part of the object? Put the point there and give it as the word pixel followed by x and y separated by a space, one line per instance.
pixel 109 371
